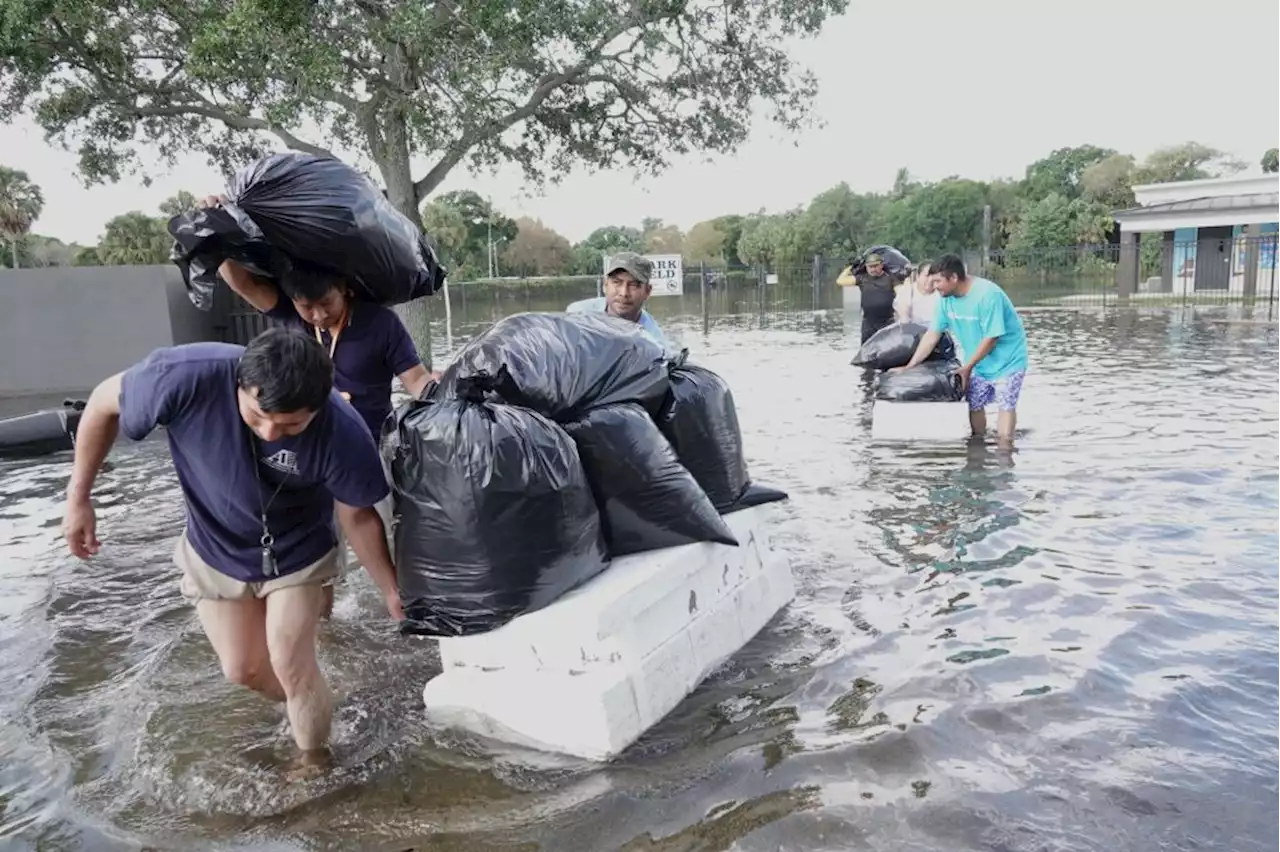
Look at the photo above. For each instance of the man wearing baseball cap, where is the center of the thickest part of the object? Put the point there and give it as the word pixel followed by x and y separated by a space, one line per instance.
pixel 626 288
pixel 877 285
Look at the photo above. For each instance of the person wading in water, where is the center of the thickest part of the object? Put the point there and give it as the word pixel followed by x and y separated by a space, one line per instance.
pixel 877 286
pixel 263 446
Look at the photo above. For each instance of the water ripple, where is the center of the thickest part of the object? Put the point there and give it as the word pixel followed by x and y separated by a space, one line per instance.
pixel 1072 647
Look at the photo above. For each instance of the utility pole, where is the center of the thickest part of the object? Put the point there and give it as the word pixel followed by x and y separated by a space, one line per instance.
pixel 489 222
pixel 986 237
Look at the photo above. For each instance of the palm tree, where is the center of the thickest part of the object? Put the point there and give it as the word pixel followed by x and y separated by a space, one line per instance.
pixel 20 204
pixel 134 238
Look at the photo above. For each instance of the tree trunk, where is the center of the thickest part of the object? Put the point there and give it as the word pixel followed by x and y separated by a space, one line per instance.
pixel 13 243
pixel 390 146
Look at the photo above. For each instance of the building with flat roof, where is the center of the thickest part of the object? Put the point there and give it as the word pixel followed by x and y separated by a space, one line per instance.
pixel 1218 236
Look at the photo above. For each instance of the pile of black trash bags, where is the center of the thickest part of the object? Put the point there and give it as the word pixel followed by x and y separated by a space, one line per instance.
pixel 553 443
pixel 292 206
pixel 934 380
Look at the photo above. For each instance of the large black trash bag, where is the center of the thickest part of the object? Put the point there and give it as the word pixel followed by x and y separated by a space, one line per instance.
pixel 932 381
pixel 895 262
pixel 203 239
pixel 313 209
pixel 893 346
pixel 561 365
pixel 647 499
pixel 496 517
pixel 701 422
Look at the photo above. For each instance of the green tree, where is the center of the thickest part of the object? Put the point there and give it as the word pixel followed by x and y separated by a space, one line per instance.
pixel 40 251
pixel 134 238
pixel 776 240
pixel 1007 205
pixel 587 257
pixel 543 85
pixel 1055 221
pixel 450 232
pixel 175 205
pixel 470 225
pixel 840 220
pixel 87 256
pixel 731 227
pixel 1110 182
pixel 1271 161
pixel 536 250
pixel 704 243
pixel 941 217
pixel 1187 161
pixel 21 203
pixel 903 184
pixel 1061 171
pixel 660 238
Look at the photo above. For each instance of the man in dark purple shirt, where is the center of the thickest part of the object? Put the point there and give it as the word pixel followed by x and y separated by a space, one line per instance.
pixel 263 447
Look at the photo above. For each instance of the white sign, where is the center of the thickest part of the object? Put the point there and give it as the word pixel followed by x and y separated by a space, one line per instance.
pixel 668 274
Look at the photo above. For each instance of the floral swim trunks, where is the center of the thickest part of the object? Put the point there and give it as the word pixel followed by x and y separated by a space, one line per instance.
pixel 1004 391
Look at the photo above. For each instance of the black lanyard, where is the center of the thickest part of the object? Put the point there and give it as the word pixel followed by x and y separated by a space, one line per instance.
pixel 268 541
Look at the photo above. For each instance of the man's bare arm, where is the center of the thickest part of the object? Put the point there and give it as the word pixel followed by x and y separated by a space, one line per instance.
pixel 368 539
pixel 925 349
pixel 99 426
pixel 983 350
pixel 263 295
pixel 416 379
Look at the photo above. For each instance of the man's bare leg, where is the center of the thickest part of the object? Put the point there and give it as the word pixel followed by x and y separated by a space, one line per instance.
pixel 978 422
pixel 292 617
pixel 1006 426
pixel 237 631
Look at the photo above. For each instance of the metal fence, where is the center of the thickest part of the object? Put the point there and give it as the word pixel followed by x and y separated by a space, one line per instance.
pixel 1161 273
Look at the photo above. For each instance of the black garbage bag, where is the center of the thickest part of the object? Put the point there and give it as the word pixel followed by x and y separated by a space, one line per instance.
pixel 932 381
pixel 203 239
pixel 701 422
pixel 496 517
pixel 893 346
pixel 895 262
pixel 561 365
pixel 647 499
pixel 314 209
pixel 756 495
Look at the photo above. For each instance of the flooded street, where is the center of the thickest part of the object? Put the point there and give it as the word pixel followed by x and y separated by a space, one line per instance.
pixel 1073 648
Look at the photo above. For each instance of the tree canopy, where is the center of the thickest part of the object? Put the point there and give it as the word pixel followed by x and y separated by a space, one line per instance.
pixel 544 85
pixel 21 202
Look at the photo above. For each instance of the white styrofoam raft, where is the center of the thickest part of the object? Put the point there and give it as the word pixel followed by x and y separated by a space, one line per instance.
pixel 588 675
pixel 919 421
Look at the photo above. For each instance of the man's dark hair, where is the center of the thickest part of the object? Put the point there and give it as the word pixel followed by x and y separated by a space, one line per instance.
pixel 304 281
pixel 291 371
pixel 948 265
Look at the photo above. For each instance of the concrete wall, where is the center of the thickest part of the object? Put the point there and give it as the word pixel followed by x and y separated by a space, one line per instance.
pixel 64 329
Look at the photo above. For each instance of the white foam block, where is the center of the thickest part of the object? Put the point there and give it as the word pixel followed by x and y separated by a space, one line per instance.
pixel 589 674
pixel 919 421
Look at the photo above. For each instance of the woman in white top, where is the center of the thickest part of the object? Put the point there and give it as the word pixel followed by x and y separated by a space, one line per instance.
pixel 916 300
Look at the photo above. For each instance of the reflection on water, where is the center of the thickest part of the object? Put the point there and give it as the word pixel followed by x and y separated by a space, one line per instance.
pixel 1073 646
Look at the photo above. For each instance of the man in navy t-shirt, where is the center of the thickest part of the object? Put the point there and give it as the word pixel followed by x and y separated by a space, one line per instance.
pixel 368 343
pixel 263 447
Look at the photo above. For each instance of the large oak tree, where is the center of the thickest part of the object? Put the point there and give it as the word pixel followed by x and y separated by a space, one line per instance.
pixel 546 84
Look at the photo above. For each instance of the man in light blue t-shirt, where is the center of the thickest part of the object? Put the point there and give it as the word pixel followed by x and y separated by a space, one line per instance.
pixel 991 338
pixel 627 287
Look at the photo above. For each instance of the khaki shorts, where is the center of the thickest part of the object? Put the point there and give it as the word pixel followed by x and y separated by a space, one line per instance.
pixel 202 582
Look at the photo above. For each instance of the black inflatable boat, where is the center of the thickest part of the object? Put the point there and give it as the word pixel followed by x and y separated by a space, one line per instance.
pixel 41 432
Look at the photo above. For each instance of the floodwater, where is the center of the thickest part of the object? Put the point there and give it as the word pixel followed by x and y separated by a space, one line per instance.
pixel 1070 648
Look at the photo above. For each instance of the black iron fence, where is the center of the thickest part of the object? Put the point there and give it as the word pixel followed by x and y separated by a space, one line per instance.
pixel 1154 273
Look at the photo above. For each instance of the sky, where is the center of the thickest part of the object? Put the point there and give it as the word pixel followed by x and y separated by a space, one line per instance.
pixel 977 89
